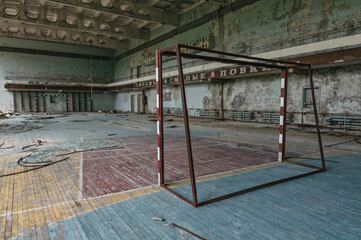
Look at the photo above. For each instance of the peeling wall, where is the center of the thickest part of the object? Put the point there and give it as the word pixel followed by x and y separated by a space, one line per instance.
pixel 259 93
pixel 122 68
pixel 197 96
pixel 277 24
pixel 340 93
pixel 123 102
pixel 264 26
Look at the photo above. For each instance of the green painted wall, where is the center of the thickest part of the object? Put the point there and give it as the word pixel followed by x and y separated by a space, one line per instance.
pixel 264 26
pixel 122 67
pixel 50 46
pixel 277 24
pixel 34 67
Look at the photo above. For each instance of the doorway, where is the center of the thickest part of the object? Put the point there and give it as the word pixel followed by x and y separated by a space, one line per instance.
pixel 140 103
pixel 132 103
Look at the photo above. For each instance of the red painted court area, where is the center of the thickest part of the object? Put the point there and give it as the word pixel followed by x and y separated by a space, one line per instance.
pixel 135 165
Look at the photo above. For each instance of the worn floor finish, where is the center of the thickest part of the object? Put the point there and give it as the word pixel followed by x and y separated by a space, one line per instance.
pixel 324 206
pixel 111 194
pixel 135 164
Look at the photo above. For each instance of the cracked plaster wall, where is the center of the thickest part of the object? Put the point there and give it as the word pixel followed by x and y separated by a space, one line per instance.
pixel 267 26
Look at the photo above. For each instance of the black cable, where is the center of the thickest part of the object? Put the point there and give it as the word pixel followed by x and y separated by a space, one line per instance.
pixel 31 164
pixel 32 145
pixel 28 170
pixel 48 163
pixel 355 138
pixel 330 145
pixel 89 150
pixel 6 147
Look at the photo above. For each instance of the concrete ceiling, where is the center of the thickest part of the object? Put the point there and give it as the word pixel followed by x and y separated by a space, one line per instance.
pixel 102 23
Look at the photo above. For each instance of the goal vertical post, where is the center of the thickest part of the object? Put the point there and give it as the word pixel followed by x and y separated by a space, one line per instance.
pixel 159 92
pixel 283 116
pixel 317 124
pixel 186 127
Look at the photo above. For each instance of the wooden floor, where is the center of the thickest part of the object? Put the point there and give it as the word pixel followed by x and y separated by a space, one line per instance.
pixel 323 206
pixel 111 194
pixel 135 164
pixel 89 180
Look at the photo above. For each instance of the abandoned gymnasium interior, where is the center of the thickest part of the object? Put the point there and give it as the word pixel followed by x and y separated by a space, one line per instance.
pixel 180 119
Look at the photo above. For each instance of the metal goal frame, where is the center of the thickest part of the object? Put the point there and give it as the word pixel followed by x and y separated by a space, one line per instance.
pixel 283 66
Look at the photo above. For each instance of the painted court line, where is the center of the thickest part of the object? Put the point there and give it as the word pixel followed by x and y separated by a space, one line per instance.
pixel 87 199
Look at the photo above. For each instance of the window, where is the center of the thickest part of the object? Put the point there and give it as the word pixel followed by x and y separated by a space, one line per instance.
pixel 167 96
pixel 133 72
pixel 139 69
pixel 136 71
pixel 52 99
pixel 307 97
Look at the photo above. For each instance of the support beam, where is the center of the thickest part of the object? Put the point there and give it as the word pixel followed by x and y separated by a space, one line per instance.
pixel 126 8
pixel 51 34
pixel 238 4
pixel 82 22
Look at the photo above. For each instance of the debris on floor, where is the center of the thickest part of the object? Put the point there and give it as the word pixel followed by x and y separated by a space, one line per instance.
pixel 116 123
pixel 1 147
pixel 7 114
pixel 80 120
pixel 28 146
pixel 45 117
pixel 47 155
pixel 187 231
pixel 2 144
pixel 158 219
pixel 20 127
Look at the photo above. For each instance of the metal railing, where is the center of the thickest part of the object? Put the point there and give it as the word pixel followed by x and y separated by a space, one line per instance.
pixel 274 117
pixel 331 120
pixel 345 121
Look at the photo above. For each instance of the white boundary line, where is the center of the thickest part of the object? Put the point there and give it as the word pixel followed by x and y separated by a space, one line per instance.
pixel 85 199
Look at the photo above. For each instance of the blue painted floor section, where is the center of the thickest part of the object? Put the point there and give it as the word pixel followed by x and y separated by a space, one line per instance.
pixel 210 189
pixel 322 206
